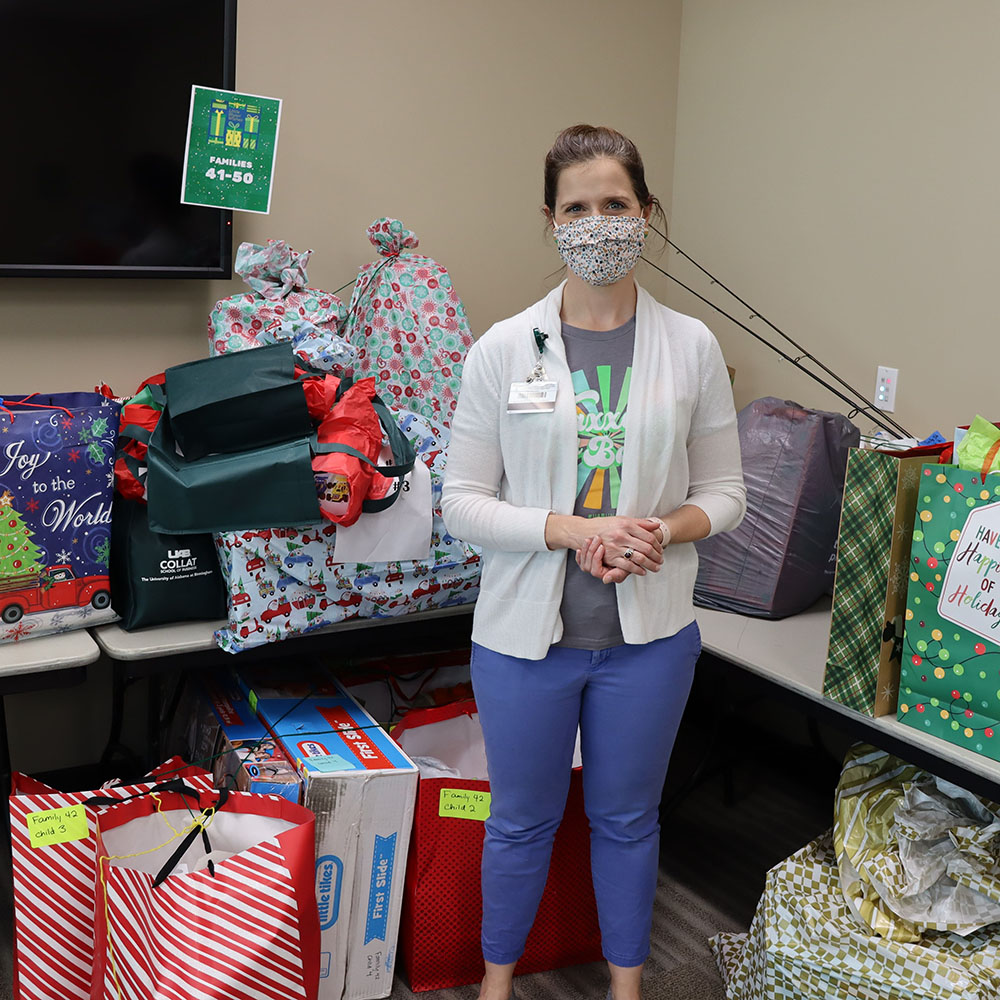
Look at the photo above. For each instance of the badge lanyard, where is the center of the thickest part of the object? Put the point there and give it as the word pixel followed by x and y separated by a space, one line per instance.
pixel 537 393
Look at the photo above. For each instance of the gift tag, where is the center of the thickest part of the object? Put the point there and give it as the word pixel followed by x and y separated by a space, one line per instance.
pixel 403 531
pixel 532 397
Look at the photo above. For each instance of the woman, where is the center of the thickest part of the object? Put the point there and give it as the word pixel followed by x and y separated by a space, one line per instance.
pixel 593 442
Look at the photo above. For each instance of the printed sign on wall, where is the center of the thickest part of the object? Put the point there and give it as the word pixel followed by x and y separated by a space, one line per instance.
pixel 231 143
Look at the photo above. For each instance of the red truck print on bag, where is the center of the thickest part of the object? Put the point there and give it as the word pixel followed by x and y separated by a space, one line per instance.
pixel 56 588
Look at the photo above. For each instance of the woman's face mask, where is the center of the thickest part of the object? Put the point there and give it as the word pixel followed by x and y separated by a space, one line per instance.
pixel 601 249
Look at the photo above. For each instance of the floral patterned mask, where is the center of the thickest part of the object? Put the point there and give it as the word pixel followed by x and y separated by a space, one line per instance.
pixel 601 249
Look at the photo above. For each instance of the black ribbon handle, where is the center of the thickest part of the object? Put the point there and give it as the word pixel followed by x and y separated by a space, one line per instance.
pixel 190 838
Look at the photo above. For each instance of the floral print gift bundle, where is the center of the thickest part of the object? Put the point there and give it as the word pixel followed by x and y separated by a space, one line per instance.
pixel 408 325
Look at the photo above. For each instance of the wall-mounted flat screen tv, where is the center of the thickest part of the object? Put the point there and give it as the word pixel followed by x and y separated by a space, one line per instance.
pixel 94 123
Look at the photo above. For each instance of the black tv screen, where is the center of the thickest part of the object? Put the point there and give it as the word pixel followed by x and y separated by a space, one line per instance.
pixel 94 135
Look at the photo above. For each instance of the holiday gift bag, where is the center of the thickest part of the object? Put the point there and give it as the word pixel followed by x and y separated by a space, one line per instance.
pixel 408 325
pixel 869 597
pixel 158 579
pixel 54 852
pixel 57 456
pixel 280 306
pixel 951 641
pixel 216 904
pixel 442 897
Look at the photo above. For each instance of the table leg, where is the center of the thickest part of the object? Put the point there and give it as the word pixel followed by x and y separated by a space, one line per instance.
pixel 5 771
pixel 154 719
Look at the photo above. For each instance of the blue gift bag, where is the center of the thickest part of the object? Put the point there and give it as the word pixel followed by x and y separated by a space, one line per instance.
pixel 57 455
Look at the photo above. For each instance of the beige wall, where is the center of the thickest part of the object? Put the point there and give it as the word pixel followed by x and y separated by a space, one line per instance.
pixel 836 164
pixel 438 112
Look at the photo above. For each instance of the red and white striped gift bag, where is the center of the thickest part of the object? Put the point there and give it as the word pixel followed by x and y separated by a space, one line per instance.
pixel 54 881
pixel 173 926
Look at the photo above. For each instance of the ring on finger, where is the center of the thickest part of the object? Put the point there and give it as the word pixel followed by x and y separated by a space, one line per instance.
pixel 628 553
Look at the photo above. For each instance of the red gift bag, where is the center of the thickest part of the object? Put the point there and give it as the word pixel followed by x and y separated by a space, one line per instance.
pixel 439 932
pixel 54 852
pixel 219 904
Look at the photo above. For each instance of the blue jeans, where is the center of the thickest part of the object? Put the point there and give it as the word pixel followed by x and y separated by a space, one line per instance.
pixel 627 702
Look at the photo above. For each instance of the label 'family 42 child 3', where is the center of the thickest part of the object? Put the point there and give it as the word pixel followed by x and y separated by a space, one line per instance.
pixel 950 676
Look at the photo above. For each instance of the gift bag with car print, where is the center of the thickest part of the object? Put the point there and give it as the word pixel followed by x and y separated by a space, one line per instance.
pixel 286 581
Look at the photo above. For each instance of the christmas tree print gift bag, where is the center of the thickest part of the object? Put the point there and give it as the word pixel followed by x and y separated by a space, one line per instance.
pixel 408 325
pixel 57 455
pixel 950 679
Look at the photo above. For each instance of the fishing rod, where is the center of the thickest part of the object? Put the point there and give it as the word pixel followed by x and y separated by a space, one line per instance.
pixel 878 416
pixel 777 350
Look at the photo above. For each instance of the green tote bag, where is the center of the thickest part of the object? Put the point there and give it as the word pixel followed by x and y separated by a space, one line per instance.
pixel 266 487
pixel 236 401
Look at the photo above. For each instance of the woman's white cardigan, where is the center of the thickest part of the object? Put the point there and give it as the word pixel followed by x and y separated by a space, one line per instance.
pixel 507 471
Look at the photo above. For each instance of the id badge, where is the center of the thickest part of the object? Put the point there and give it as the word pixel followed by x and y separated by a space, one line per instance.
pixel 532 397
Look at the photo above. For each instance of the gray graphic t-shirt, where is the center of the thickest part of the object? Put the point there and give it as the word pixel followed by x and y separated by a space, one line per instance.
pixel 601 364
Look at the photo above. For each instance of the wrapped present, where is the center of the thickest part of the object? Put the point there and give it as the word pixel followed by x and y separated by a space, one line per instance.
pixel 915 852
pixel 951 638
pixel 53 839
pixel 56 481
pixel 408 325
pixel 280 307
pixel 287 581
pixel 869 595
pixel 805 942
pixel 213 897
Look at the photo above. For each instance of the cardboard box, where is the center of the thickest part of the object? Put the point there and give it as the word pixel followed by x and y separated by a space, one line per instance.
pixel 239 744
pixel 362 788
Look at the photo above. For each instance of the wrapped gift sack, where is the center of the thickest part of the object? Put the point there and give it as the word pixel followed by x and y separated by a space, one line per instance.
pixel 805 942
pixel 869 596
pixel 286 581
pixel 280 307
pixel 159 579
pixel 779 561
pixel 915 853
pixel 54 853
pixel 408 325
pixel 442 897
pixel 221 906
pixel 951 641
pixel 56 479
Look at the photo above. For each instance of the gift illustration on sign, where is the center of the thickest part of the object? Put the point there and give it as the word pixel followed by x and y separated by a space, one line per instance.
pixel 56 477
pixel 950 677
pixel 234 124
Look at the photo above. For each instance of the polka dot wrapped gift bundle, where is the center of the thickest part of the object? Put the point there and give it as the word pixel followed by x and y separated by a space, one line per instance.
pixel 950 676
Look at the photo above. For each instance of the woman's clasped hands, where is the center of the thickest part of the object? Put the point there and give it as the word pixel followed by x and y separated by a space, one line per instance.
pixel 623 545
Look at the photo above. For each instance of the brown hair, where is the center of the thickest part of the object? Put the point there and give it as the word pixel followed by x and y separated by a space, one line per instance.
pixel 580 143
